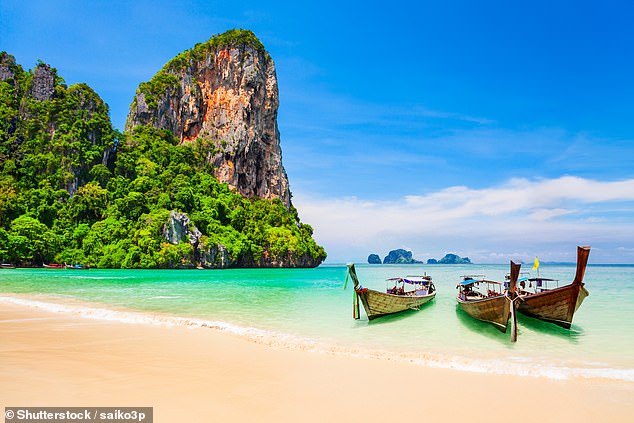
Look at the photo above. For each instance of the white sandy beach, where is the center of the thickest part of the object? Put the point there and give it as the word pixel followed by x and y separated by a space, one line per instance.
pixel 202 375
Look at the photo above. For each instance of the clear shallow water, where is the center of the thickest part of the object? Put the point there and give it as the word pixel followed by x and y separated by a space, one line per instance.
pixel 310 305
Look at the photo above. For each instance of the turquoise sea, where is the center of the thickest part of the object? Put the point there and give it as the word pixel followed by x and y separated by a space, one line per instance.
pixel 308 309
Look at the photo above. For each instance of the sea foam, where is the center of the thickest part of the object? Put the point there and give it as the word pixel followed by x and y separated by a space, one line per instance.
pixel 508 366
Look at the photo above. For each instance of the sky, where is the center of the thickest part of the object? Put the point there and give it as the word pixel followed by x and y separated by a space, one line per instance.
pixel 495 130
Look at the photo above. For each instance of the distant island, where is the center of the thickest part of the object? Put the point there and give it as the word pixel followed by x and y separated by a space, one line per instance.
pixel 450 259
pixel 401 256
pixel 398 256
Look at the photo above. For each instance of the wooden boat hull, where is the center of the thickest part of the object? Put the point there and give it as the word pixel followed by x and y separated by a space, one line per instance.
pixel 377 304
pixel 557 305
pixel 495 310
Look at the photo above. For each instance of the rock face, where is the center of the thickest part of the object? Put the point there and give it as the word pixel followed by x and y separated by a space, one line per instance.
pixel 223 94
pixel 179 228
pixel 290 260
pixel 7 66
pixel 43 86
pixel 400 256
pixel 374 259
pixel 214 257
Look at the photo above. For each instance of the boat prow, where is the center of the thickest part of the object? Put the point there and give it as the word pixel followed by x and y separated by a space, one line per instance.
pixel 494 305
pixel 558 305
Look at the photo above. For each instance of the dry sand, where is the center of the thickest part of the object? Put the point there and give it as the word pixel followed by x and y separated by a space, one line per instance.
pixel 201 375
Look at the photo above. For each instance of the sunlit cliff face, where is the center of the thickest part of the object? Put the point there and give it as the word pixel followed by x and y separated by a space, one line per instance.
pixel 228 100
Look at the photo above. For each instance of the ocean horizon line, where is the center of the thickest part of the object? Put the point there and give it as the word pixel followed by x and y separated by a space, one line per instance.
pixel 542 263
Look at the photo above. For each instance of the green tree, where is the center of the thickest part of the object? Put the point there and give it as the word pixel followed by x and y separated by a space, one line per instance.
pixel 30 241
pixel 89 203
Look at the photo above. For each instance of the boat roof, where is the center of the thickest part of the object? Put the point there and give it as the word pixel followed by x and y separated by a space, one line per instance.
pixel 542 279
pixel 417 279
pixel 472 281
pixel 412 279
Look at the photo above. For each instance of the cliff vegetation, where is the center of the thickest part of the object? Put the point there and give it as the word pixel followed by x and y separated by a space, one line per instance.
pixel 73 189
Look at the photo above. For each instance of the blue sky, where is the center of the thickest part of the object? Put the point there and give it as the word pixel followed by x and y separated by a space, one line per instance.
pixel 409 124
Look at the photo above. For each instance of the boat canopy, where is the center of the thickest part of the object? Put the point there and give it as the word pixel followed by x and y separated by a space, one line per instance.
pixel 412 280
pixel 542 279
pixel 472 281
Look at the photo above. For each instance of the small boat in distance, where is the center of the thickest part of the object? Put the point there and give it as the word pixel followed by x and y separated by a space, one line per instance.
pixel 399 297
pixel 6 266
pixel 53 266
pixel 556 304
pixel 76 266
pixel 488 301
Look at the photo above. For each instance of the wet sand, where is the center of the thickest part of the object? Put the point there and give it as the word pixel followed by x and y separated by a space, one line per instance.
pixel 202 375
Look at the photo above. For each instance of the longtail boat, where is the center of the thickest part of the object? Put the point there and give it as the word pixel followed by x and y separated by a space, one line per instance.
pixel 396 299
pixel 494 304
pixel 77 266
pixel 556 305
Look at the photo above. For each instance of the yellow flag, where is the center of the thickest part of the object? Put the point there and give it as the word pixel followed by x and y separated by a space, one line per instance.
pixel 536 264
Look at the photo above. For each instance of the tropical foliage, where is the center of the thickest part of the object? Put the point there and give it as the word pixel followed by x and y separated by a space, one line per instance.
pixel 74 190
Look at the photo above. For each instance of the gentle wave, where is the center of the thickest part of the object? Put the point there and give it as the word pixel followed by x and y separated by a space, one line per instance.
pixel 518 367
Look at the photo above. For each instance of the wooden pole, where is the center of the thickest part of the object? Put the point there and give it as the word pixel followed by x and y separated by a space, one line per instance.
pixel 512 295
pixel 513 322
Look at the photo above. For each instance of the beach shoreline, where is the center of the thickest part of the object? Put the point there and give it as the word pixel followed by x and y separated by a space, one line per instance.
pixel 192 374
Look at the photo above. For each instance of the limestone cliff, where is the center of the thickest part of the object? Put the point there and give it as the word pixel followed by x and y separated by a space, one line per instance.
pixel 7 67
pixel 43 85
pixel 224 94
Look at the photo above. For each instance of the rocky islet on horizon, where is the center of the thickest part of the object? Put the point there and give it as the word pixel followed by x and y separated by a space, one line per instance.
pixel 401 256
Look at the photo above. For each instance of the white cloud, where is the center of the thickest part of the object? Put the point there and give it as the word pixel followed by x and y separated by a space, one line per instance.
pixel 520 216
pixel 546 214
